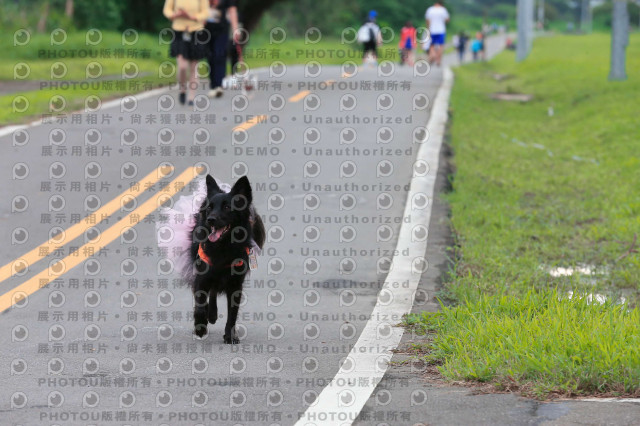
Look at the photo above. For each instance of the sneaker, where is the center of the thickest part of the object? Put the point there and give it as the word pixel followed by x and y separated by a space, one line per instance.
pixel 182 98
pixel 215 93
pixel 190 103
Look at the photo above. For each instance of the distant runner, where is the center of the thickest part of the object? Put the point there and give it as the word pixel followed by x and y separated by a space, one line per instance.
pixel 436 18
pixel 370 37
pixel 407 43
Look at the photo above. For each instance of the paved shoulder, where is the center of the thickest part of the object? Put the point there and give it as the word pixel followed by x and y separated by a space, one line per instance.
pixel 99 327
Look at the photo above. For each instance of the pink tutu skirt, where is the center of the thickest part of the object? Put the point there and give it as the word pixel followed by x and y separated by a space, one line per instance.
pixel 176 223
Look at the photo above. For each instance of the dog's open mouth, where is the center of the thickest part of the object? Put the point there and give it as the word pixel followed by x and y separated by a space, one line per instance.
pixel 217 233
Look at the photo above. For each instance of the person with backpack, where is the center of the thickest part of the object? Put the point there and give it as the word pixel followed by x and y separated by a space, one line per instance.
pixel 407 43
pixel 370 36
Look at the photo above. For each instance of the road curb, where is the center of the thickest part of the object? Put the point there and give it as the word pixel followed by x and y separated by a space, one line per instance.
pixel 341 401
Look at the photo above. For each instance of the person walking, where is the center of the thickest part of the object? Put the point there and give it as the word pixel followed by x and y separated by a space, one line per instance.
pixel 436 18
pixel 426 42
pixel 407 43
pixel 476 46
pixel 370 36
pixel 462 44
pixel 189 43
pixel 223 14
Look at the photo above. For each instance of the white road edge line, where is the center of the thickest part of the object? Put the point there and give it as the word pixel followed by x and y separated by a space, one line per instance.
pixel 342 399
pixel 109 104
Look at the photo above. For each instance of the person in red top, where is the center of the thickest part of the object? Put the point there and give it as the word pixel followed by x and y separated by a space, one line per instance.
pixel 407 43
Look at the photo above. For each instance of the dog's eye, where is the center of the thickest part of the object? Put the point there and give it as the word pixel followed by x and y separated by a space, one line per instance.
pixel 227 207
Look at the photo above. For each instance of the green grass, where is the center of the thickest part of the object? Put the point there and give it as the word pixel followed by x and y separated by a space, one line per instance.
pixel 539 343
pixel 532 192
pixel 148 55
pixel 40 56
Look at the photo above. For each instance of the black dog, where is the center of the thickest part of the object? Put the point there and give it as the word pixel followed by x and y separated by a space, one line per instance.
pixel 226 229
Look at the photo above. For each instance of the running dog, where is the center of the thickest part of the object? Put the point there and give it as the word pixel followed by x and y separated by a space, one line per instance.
pixel 216 248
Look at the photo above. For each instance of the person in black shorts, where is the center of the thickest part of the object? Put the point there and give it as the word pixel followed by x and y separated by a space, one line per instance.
pixel 189 43
pixel 370 37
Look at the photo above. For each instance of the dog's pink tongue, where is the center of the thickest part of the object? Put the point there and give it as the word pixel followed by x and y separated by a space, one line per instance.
pixel 215 235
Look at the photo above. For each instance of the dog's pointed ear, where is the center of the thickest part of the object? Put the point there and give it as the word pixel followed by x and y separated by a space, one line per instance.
pixel 212 186
pixel 242 188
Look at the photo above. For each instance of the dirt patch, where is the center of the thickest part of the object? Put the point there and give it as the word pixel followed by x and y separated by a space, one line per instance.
pixel 502 77
pixel 440 249
pixel 511 97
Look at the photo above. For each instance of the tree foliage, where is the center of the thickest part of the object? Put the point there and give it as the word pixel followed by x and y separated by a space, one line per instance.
pixel 330 16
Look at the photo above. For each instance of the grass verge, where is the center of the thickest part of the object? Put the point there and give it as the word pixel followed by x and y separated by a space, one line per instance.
pixel 92 69
pixel 539 185
pixel 541 344
pixel 39 60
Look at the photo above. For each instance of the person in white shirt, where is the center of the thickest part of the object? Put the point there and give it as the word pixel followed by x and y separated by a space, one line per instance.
pixel 436 18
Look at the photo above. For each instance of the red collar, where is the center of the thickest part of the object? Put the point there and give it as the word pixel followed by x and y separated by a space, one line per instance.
pixel 207 259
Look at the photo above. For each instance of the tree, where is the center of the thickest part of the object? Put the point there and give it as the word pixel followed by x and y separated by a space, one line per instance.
pixel 68 9
pixel 42 22
pixel 252 10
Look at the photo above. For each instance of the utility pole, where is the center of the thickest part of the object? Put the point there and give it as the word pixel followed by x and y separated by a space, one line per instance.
pixel 585 16
pixel 525 28
pixel 619 40
pixel 531 18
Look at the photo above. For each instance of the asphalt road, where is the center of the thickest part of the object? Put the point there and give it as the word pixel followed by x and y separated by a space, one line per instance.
pixel 98 330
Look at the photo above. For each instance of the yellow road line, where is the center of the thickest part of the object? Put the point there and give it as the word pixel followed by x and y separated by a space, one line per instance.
pixel 345 75
pixel 299 96
pixel 251 122
pixel 62 266
pixel 77 229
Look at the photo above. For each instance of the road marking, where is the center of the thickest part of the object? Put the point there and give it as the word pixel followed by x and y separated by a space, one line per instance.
pixel 30 258
pixel 342 400
pixel 251 122
pixel 109 104
pixel 348 75
pixel 299 96
pixel 628 400
pixel 64 265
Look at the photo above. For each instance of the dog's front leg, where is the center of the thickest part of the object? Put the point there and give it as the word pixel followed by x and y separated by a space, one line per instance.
pixel 200 309
pixel 212 313
pixel 233 305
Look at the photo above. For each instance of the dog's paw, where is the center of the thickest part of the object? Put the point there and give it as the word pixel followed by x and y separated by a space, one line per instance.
pixel 200 330
pixel 231 340
pixel 212 317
